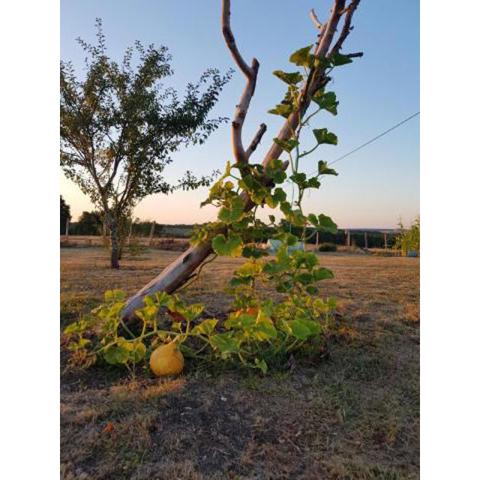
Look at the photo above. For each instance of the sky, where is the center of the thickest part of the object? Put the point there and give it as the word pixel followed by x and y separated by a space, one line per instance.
pixel 375 186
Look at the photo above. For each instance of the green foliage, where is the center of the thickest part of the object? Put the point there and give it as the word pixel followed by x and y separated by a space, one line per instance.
pixel 338 59
pixel 302 57
pixel 323 169
pixel 290 78
pixel 322 135
pixel 326 101
pixel 228 247
pixel 119 126
pixel 259 332
pixel 64 215
pixel 89 223
pixel 327 247
pixel 409 239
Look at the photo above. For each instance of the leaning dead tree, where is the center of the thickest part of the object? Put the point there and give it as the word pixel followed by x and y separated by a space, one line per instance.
pixel 327 45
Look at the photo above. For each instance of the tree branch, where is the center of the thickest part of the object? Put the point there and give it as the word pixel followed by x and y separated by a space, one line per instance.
pixel 256 140
pixel 230 40
pixel 315 19
pixel 354 55
pixel 251 74
pixel 347 26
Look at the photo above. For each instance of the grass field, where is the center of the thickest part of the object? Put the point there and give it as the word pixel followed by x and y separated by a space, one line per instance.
pixel 352 415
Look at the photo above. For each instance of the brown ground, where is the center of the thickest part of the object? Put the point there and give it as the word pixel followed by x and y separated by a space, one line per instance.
pixel 354 415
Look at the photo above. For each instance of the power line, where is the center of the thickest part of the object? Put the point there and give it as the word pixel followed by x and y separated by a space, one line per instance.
pixel 372 140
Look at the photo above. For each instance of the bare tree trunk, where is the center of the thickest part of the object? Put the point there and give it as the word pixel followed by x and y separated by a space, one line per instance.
pixel 175 275
pixel 152 231
pixel 182 269
pixel 115 244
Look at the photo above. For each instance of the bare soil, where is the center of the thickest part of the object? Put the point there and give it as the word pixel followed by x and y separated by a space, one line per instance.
pixel 354 414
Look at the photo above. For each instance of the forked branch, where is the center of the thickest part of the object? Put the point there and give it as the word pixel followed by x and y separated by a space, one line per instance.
pixel 256 139
pixel 251 73
pixel 184 266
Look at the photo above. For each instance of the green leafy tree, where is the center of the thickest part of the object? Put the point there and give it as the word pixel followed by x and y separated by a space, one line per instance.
pixel 409 238
pixel 64 215
pixel 119 127
pixel 89 223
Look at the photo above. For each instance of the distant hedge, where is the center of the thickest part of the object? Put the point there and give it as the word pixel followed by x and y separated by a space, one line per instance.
pixel 92 225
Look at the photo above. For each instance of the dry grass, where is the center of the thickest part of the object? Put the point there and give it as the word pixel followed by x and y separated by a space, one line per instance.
pixel 354 415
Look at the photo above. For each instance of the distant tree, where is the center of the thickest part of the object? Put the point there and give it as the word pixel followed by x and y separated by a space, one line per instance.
pixel 64 215
pixel 408 240
pixel 119 127
pixel 89 223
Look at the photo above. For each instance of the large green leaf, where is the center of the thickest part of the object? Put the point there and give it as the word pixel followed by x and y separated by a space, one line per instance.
pixel 249 269
pixel 231 247
pixel 282 109
pixel 232 211
pixel 117 354
pixel 264 331
pixel 138 351
pixel 302 57
pixel 326 224
pixel 338 59
pixel 324 169
pixel 114 296
pixel 290 78
pixel 302 328
pixel 287 145
pixel 299 329
pixel 226 343
pixel 205 328
pixel 322 274
pixel 322 135
pixel 326 101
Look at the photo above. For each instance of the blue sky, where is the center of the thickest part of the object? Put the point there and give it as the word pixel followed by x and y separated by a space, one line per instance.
pixel 375 186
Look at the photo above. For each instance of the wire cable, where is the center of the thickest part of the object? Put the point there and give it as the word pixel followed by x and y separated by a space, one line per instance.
pixel 372 140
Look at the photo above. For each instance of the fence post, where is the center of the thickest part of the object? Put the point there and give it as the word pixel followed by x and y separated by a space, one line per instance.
pixel 317 241
pixel 385 239
pixel 348 238
pixel 67 226
pixel 130 233
pixel 365 234
pixel 152 230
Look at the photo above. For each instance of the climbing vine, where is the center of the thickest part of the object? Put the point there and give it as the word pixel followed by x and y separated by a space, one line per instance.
pixel 257 332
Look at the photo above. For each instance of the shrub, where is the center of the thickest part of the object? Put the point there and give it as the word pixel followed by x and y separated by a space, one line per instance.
pixel 327 247
pixel 408 242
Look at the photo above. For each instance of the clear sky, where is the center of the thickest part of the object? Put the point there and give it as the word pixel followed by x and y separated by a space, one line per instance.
pixel 375 186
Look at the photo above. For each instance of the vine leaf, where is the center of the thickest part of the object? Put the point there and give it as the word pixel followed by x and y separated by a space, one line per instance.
pixel 322 135
pixel 228 248
pixel 205 328
pixel 226 343
pixel 287 145
pixel 327 224
pixel 282 109
pixel 302 57
pixel 232 211
pixel 326 101
pixel 322 274
pixel 291 78
pixel 324 169
pixel 338 59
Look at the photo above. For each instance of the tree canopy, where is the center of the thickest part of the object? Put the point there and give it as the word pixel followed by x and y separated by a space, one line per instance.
pixel 120 125
pixel 64 215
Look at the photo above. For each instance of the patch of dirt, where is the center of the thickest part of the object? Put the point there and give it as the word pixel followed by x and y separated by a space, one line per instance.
pixel 351 414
